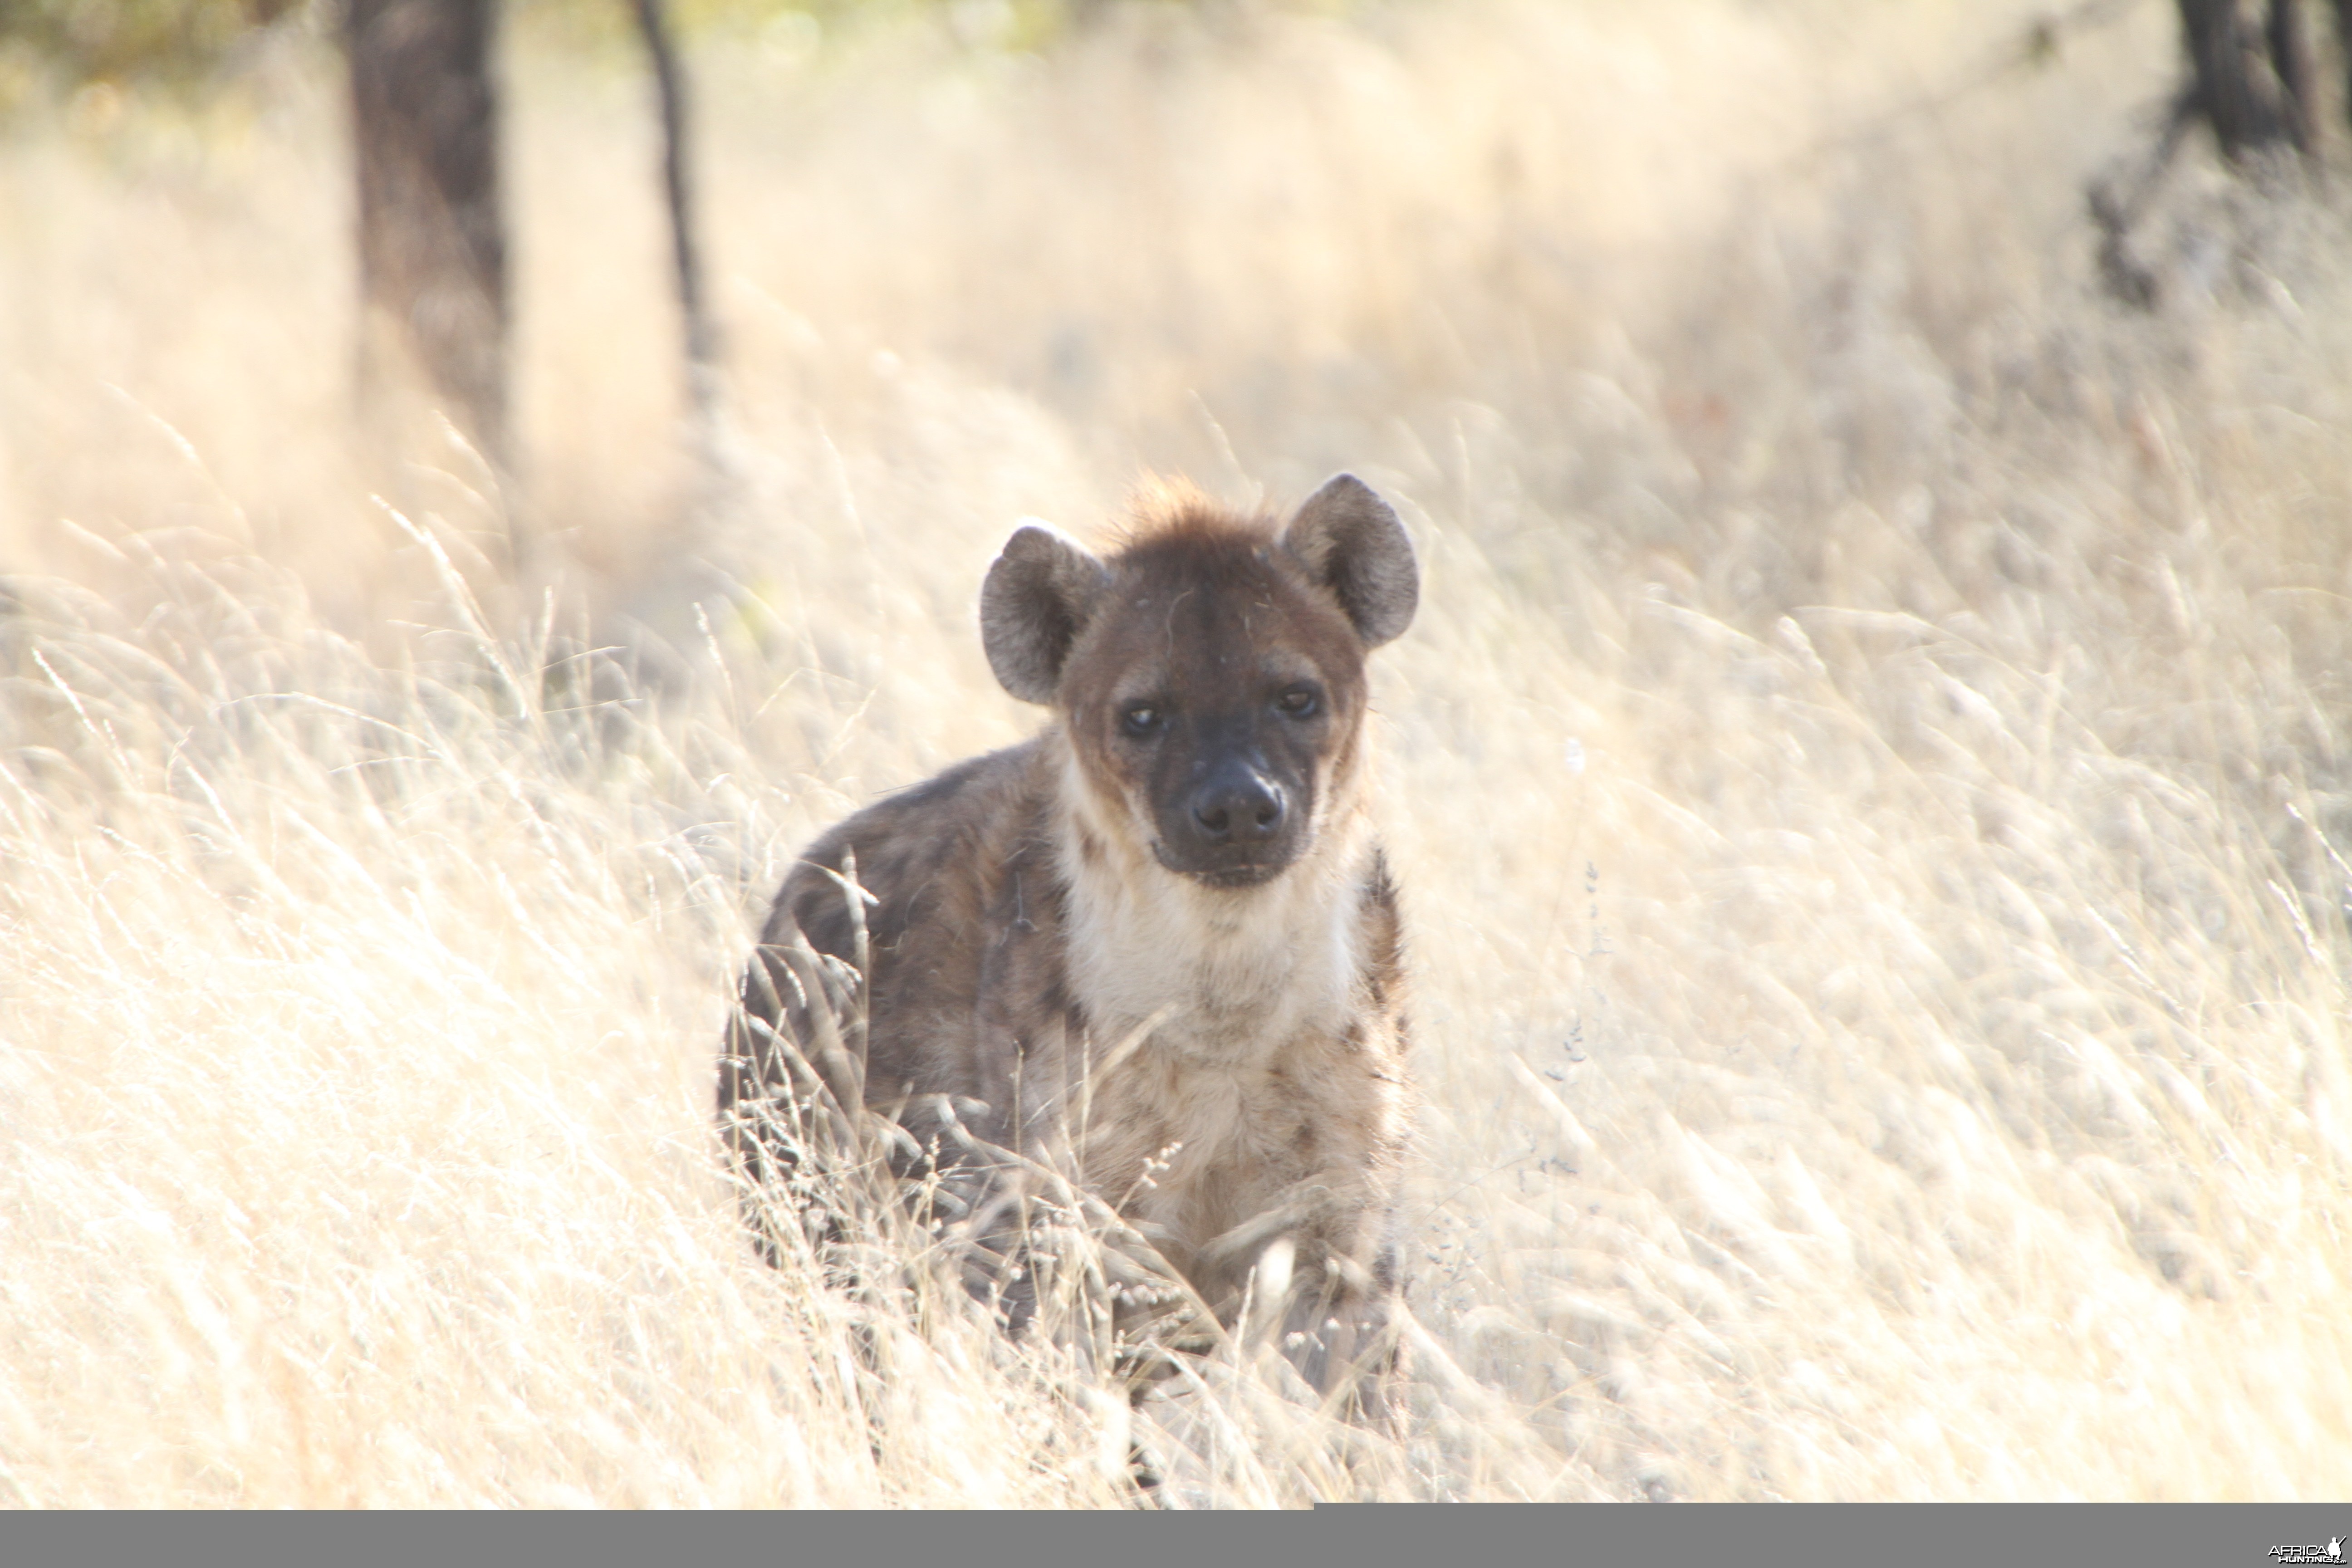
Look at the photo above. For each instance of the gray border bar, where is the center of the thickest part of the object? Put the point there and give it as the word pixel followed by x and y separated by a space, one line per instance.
pixel 1910 1535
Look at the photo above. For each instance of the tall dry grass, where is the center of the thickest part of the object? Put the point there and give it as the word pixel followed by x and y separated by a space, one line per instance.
pixel 1869 778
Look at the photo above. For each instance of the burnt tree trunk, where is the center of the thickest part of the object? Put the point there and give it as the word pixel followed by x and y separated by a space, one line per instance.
pixel 432 233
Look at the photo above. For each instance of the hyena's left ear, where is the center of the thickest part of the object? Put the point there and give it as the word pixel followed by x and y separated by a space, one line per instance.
pixel 1035 600
pixel 1350 541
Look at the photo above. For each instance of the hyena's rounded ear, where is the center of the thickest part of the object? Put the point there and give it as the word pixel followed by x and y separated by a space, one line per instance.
pixel 1350 541
pixel 1034 601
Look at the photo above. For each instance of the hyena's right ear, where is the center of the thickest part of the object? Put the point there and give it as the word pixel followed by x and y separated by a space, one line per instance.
pixel 1350 541
pixel 1034 601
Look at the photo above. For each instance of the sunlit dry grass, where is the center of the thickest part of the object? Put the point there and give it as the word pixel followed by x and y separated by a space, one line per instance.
pixel 1869 777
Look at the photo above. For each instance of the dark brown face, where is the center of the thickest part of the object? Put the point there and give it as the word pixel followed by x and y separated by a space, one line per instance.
pixel 1211 675
pixel 1213 695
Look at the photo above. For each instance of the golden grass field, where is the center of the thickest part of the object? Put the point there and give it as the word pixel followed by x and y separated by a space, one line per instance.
pixel 1870 778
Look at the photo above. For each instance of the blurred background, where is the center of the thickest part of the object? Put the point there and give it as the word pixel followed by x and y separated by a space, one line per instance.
pixel 480 485
pixel 1245 243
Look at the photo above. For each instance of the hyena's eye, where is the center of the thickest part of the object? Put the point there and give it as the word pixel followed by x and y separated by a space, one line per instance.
pixel 1142 719
pixel 1300 702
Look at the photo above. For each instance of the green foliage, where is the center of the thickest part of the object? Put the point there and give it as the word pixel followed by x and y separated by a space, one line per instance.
pixel 607 27
pixel 70 44
pixel 101 40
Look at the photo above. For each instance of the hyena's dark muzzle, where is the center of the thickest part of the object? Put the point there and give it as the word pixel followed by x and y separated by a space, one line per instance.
pixel 1230 814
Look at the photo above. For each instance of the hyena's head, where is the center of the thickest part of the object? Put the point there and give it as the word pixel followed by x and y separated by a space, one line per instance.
pixel 1210 674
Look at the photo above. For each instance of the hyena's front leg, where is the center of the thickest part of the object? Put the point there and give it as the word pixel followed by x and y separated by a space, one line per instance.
pixel 1340 1329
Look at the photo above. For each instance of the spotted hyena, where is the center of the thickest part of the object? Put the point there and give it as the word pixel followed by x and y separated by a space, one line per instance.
pixel 1156 947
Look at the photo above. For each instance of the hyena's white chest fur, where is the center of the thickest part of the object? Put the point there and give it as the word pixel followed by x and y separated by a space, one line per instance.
pixel 1233 1079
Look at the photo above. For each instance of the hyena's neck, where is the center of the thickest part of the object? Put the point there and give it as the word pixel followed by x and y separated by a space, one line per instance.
pixel 1226 973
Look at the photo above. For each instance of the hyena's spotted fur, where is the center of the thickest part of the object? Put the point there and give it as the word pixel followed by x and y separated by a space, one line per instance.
pixel 1157 946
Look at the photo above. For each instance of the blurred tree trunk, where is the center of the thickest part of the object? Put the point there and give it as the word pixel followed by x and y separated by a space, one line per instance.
pixel 2255 80
pixel 2291 63
pixel 432 235
pixel 677 186
pixel 2343 51
pixel 2252 76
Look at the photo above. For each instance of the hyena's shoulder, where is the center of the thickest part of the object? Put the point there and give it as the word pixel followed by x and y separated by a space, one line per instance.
pixel 925 856
pixel 941 874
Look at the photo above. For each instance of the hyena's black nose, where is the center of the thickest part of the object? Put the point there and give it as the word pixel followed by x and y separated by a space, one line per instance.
pixel 1238 805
